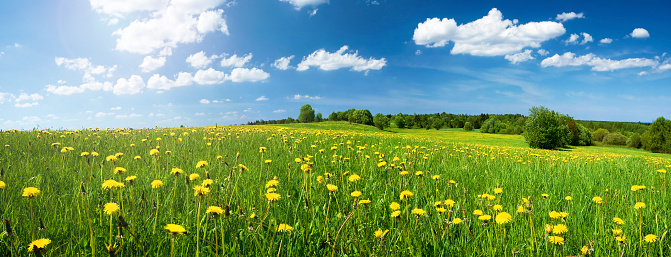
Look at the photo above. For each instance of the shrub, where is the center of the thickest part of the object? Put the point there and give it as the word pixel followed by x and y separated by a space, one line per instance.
pixel 634 141
pixel 546 129
pixel 615 139
pixel 381 121
pixel 599 134
pixel 467 126
pixel 362 117
pixel 399 120
pixel 658 137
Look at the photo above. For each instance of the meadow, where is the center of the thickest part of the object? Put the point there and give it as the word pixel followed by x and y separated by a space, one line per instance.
pixel 324 189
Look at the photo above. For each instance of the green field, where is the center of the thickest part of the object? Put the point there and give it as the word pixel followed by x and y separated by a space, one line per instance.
pixel 291 190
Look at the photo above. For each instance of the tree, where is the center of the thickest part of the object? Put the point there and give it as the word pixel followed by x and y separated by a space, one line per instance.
pixel 546 129
pixel 333 116
pixel 361 116
pixel 599 134
pixel 467 126
pixel 658 137
pixel 634 141
pixel 319 118
pixel 307 114
pixel 437 122
pixel 399 120
pixel 381 121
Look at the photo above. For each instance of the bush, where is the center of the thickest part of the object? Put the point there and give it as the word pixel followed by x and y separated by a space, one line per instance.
pixel 615 139
pixel 634 141
pixel 381 121
pixel 599 134
pixel 546 129
pixel 467 126
pixel 362 117
pixel 658 137
pixel 399 120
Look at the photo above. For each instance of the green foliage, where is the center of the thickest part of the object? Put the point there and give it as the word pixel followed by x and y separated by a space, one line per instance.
pixel 599 134
pixel 307 114
pixel 290 120
pixel 437 123
pixel 409 121
pixel 381 121
pixel 634 141
pixel 399 120
pixel 622 127
pixel 615 139
pixel 467 126
pixel 333 116
pixel 361 116
pixel 546 129
pixel 658 137
pixel 319 117
pixel 503 124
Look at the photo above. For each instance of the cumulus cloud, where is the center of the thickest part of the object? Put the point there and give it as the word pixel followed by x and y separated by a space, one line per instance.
pixel 597 63
pixel 299 97
pixel 211 21
pixel 519 57
pixel 586 38
pixel 115 108
pixel 279 111
pixel 5 97
pixel 204 101
pixel 199 60
pixel 543 52
pixel 209 77
pixel 131 86
pixel 126 116
pixel 160 82
pixel 640 33
pixel 489 36
pixel 262 98
pixel 247 75
pixel 340 59
pixel 569 16
pixel 28 97
pixel 283 63
pixel 64 90
pixel 90 82
pixel 150 63
pixel 26 105
pixel 574 39
pixel 103 114
pixel 606 41
pixel 235 61
pixel 298 4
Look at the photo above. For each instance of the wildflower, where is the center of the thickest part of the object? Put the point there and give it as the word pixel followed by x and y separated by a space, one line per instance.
pixel 498 190
pixel 268 161
pixel 441 210
pixel 215 211
pixel 94 154
pixel 273 197
pixel 356 194
pixel 490 197
pixel 503 218
pixel 556 240
pixel 117 155
pixel 617 232
pixel 395 206
pixel 381 164
pixel 406 194
pixel 563 214
pixel 435 177
pixel 419 173
pixel 403 173
pixel 111 158
pixel 119 170
pixel 130 179
pixel 621 238
pixel 559 229
pixel 639 205
pixel 201 164
pixel 242 167
pixel 477 212
pixel 331 187
pixel 262 149
pixel 418 212
pixel 38 245
pixel 154 152
pixel 618 221
pixel 354 178
pixel 379 233
pixel 597 200
pixel 661 170
pixel 84 154
pixel 194 176
pixel 520 209
pixel 207 183
pixel 156 184
pixel 176 171
pixel 449 202
pixel 548 228
pixel 395 214
pixel 650 238
pixel 320 179
pixel 554 215
pixel 137 157
pixel 545 196
pixel 111 184
pixel 31 192
pixel 497 207
pixel 305 167
pixel 584 250
pixel 272 183
pixel 568 198
pixel 365 201
pixel 200 191
pixel 2 184
pixel 284 228
pixel 456 221
pixel 175 229
pixel 111 208
pixel 485 218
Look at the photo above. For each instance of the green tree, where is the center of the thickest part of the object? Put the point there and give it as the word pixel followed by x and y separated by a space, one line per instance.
pixel 381 121
pixel 399 120
pixel 333 116
pixel 319 117
pixel 599 134
pixel 437 122
pixel 634 141
pixel 361 116
pixel 658 137
pixel 467 126
pixel 307 114
pixel 546 129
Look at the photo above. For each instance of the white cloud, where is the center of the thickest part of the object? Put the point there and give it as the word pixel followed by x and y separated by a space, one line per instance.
pixel 313 12
pixel 199 60
pixel 340 59
pixel 204 101
pixel 209 77
pixel 199 114
pixel 103 114
pixel 211 21
pixel 597 63
pixel 32 119
pixel 131 86
pixel 115 108
pixel 235 61
pixel 664 67
pixel 283 63
pixel 89 80
pixel 150 63
pixel 569 16
pixel 6 97
pixel 160 82
pixel 640 33
pixel 586 38
pixel 574 39
pixel 520 57
pixel 27 97
pixel 299 97
pixel 262 98
pixel 298 4
pixel 64 90
pixel 247 75
pixel 543 52
pixel 279 111
pixel 488 36
pixel 26 105
pixel 60 81
pixel 120 7
pixel 52 116
pixel 125 116
pixel 606 41
pixel 642 73
pixel 418 52
pixel 73 64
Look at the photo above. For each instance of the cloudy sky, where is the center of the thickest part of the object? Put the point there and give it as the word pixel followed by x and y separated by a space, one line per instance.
pixel 127 63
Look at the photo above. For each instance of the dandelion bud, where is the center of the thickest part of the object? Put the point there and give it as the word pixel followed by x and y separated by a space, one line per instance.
pixel 227 210
pixel 8 227
pixel 41 227
pixel 82 190
pixel 2 172
pixel 142 197
pixel 122 222
pixel 207 174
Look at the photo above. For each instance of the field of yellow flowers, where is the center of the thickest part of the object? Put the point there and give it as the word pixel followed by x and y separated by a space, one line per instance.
pixel 327 191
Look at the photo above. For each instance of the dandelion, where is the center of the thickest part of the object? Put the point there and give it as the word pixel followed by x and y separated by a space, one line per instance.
pixel 38 245
pixel 395 214
pixel 111 158
pixel 214 211
pixel 175 229
pixel 497 207
pixel 381 164
pixel 111 208
pixel 498 190
pixel 156 184
pixel 545 196
pixel 503 218
pixel 554 215
pixel 137 157
pixel 548 228
pixel 639 205
pixel 485 218
pixel 268 161
pixel 284 228
pixel 379 233
pixel 520 209
pixel 273 197
pixel 176 171
pixel 354 178
pixel 650 238
pixel 435 177
pixel 365 201
pixel 154 152
pixel 194 176
pixel 395 206
pixel 477 213
pixel 618 221
pixel 84 154
pixel 207 183
pixel 201 164
pixel 119 170
pixel 568 198
pixel 320 179
pixel 406 194
pixel 559 229
pixel 331 187
pixel 356 194
pixel 30 192
pixel 456 221
pixel 201 191
pixel 441 210
pixel 111 184
pixel 621 238
pixel 418 212
pixel 556 240
pixel 305 167
pixel 597 200
pixel 661 170
pixel 262 149
pixel 617 232
pixel 2 184
pixel 563 214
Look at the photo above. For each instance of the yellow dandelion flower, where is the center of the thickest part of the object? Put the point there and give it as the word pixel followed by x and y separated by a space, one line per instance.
pixel 262 149
pixel 38 244
pixel 154 152
pixel 639 205
pixel 273 197
pixel 418 212
pixel 137 157
pixel 617 232
pixel 354 178
pixel 406 194
pixel 395 214
pixel 548 228
pixel 485 218
pixel 563 214
pixel 621 238
pixel 559 229
pixel 84 154
pixel 272 183
pixel 320 179
pixel 31 192
pixel 568 198
pixel 207 183
pixel 200 191
pixel 381 164
pixel 477 213
pixel 395 206
pixel 2 184
pixel 449 202
pixel 503 218
pixel 556 240
pixel 331 187
pixel 111 184
pixel 441 210
pixel 545 196
pixel 176 171
pixel 268 161
pixel 650 238
pixel 498 190
pixel 119 170
pixel 520 209
pixel 379 233
pixel 555 215
pixel 201 164
pixel 156 184
pixel 214 211
pixel 497 207
pixel 435 177
pixel 355 194
pixel 456 221
pixel 117 155
pixel 618 221
pixel 365 201
pixel 597 200
pixel 131 178
pixel 584 250
pixel 111 208
pixel 94 154
pixel 111 158
pixel 661 170
pixel 194 176
pixel 175 229
pixel 284 228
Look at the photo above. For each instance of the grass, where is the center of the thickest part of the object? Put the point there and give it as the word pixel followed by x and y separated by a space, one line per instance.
pixel 247 165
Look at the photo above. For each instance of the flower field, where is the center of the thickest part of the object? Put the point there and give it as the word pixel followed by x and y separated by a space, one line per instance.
pixel 326 191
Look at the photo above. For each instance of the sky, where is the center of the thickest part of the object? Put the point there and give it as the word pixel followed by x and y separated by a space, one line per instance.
pixel 74 64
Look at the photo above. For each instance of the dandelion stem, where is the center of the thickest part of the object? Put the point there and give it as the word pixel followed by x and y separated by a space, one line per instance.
pixel 198 229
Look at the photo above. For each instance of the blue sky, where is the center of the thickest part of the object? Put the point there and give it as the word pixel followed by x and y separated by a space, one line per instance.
pixel 126 63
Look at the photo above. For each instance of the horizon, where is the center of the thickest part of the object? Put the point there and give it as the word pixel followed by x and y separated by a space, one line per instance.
pixel 128 64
